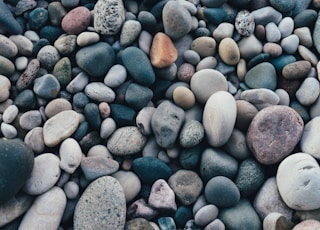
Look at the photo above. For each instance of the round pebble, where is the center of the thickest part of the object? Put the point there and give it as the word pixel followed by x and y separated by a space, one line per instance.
pixel 184 97
pixel 229 51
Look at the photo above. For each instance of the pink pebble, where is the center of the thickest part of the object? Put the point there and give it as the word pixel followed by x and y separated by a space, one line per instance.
pixel 76 20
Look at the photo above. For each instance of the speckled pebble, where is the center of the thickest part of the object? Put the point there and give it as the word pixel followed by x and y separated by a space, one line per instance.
pixel 48 56
pixel 244 23
pixel 191 134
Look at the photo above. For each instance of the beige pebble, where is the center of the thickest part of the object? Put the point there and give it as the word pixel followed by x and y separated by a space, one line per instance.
pixel 204 46
pixel 56 106
pixel 87 38
pixel 229 51
pixel 308 55
pixel 241 69
pixel 5 85
pixel 296 70
pixel 273 49
pixel 184 97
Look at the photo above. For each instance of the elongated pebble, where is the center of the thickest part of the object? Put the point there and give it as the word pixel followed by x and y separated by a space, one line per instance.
pixel 8 130
pixel 229 51
pixel 10 113
pixel 86 38
pixel 308 55
pixel 99 92
pixel 9 48
pixel 78 83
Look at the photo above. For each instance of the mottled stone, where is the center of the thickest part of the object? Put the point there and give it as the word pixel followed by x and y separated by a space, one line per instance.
pixel 267 137
pixel 76 20
pixel 102 205
pixel 162 197
pixel 244 23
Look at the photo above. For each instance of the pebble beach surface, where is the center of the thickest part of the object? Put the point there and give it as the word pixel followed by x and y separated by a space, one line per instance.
pixel 165 114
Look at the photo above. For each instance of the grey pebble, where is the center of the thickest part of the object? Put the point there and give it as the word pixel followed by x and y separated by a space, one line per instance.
pixel 30 119
pixel 129 32
pixel 260 98
pixel 191 134
pixel 143 120
pixel 10 114
pixel 34 139
pixel 78 83
pixel 98 91
pixel 48 56
pixel 8 130
pixel 273 34
pixel 46 86
pixel 116 75
pixel 23 43
pixel 308 91
pixel 286 26
pixel 290 44
pixel 108 126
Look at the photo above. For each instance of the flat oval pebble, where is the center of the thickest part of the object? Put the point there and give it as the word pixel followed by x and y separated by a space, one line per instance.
pixel 96 59
pixel 260 98
pixel 206 214
pixel 45 173
pixel 206 82
pixel 86 38
pixel 184 97
pixel 14 152
pixel 126 141
pixel 176 20
pixel 34 139
pixel 7 67
pixel 138 65
pixel 296 70
pixel 204 46
pixel 76 20
pixel 59 127
pixel 8 131
pixel 290 44
pixel 116 75
pixel 98 91
pixel 70 154
pixel 267 132
pixel 191 134
pixel 298 190
pixel 106 23
pixel 222 192
pixel 9 48
pixel 102 205
pixel 187 186
pixel 129 32
pixel 10 113
pixel 47 210
pixel 30 119
pixel 78 83
pixel 308 91
pixel 229 51
pixel 56 106
pixel 219 120
pixel 150 169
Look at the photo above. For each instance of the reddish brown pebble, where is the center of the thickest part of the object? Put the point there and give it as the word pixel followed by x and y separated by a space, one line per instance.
pixel 27 77
pixel 76 20
pixel 290 86
pixel 104 109
pixel 260 32
pixel 296 70
pixel 273 49
pixel 126 164
pixel 163 52
pixel 273 133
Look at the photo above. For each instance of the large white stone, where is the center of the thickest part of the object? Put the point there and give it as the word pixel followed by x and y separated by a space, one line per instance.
pixel 219 117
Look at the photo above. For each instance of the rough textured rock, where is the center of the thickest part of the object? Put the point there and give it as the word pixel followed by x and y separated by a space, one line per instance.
pixel 268 137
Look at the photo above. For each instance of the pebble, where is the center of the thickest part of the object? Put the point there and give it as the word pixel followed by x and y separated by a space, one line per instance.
pixel 126 141
pixel 282 5
pixel 206 214
pixel 76 20
pixel 223 30
pixel 60 127
pixel 166 122
pixel 274 122
pixel 186 71
pixel 101 205
pixel 138 66
pixel 191 57
pixel 130 183
pixel 260 98
pixel 182 215
pixel 308 142
pixel 286 27
pixel 308 91
pixel 186 190
pixel 109 16
pixel 162 196
pixel 229 51
pixel 166 223
pixel 34 139
pixel 218 120
pixel 98 91
pixel 191 134
pixel 87 38
pixel 265 15
pixel 78 83
pixel 249 47
pixel 71 189
pixel 177 21
pixel 308 55
pixel 163 52
pixel 9 48
pixel 150 169
pixel 21 63
pixel 7 68
pixel 250 177
pixel 4 88
pixel 122 115
pixel 184 97
pixel 56 13
pixel 216 224
pixel 304 174
pixel 96 59
pixel 130 32
pixel 66 44
pixel 140 209
pixel 13 179
pixel 116 76
pixel 46 86
pixel 206 82
pixel 10 114
pixel 47 210
pixel 138 96
pixel 37 18
pixel 213 15
pixel 257 78
pixel 273 34
pixel 290 44
pixel 307 225
pixel 306 17
pixel 70 154
pixel 236 145
pixel 30 119
pixel 97 166
pixel 216 162
pixel 243 214
pixel 204 46
pixel 296 70
pixel 8 131
pixel 108 126
pixel 244 23
pixel 138 223
pixel 48 56
pixel 56 106
pixel 273 49
pixel 284 97
pixel 222 192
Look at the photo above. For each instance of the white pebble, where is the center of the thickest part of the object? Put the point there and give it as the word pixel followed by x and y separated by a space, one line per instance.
pixel 8 131
pixel 21 63
pixel 115 76
pixel 108 126
pixel 32 35
pixel 10 113
pixel 87 38
pixel 70 154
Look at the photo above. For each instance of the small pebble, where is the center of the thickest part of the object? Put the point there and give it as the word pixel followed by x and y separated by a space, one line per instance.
pixel 244 23
pixel 162 196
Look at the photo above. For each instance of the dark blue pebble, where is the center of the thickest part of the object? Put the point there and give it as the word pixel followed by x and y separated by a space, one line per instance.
pixel 39 44
pixel 159 88
pixel 263 57
pixel 51 33
pixel 200 32
pixel 305 18
pixel 301 110
pixel 215 15
pixel 38 18
pixel 92 114
pixel 81 131
pixel 7 21
pixel 182 215
pixel 25 100
pixel 80 100
pixel 138 96
pixel 281 61
pixel 167 223
pixel 190 158
pixel 123 115
pixel 150 169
